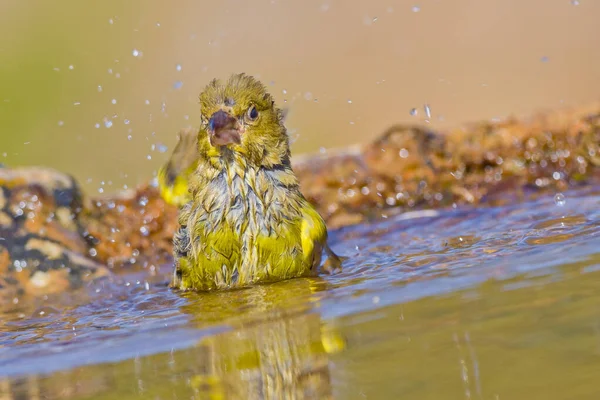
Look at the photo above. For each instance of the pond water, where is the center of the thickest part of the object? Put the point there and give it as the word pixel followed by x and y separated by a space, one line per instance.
pixel 481 303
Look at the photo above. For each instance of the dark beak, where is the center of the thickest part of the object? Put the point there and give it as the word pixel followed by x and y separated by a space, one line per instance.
pixel 223 129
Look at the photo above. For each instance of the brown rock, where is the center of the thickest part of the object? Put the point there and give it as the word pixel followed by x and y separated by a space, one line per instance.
pixel 411 167
pixel 53 239
pixel 41 239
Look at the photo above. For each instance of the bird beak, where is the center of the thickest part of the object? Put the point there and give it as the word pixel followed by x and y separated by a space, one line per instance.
pixel 223 129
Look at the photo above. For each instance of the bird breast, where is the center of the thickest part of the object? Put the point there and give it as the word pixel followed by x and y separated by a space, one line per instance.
pixel 247 201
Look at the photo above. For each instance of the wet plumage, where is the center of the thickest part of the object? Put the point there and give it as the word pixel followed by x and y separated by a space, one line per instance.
pixel 247 220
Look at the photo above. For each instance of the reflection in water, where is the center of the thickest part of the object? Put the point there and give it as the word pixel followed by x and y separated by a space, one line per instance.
pixel 276 350
pixel 277 347
pixel 273 360
pixel 531 336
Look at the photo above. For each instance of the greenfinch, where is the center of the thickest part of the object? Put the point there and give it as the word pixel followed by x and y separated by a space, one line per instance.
pixel 246 220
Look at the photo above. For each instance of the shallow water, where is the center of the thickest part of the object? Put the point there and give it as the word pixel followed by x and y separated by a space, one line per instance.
pixel 486 303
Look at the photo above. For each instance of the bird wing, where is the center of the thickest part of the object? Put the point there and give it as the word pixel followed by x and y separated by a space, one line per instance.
pixel 314 241
pixel 313 234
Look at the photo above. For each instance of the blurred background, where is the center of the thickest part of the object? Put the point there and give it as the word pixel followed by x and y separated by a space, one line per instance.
pixel 100 89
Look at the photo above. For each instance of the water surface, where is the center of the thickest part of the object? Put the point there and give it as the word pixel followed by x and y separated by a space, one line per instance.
pixel 485 303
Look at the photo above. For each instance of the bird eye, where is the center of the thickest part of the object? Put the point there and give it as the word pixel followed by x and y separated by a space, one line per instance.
pixel 252 113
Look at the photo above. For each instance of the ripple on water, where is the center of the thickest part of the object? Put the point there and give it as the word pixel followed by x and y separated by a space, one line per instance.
pixel 407 258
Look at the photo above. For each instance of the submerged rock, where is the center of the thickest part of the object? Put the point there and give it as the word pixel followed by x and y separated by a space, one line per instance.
pixel 52 238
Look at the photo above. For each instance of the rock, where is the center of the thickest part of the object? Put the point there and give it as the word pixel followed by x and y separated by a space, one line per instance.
pixel 42 249
pixel 411 167
pixel 52 238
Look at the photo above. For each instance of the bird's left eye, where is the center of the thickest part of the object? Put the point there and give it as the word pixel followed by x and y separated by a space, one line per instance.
pixel 252 113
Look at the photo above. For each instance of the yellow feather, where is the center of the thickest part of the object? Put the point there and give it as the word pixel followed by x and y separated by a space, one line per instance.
pixel 176 193
pixel 173 177
pixel 313 236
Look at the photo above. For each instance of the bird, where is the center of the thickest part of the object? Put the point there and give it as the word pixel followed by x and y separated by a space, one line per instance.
pixel 246 221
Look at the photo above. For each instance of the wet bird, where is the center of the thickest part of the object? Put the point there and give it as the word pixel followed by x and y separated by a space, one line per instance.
pixel 247 221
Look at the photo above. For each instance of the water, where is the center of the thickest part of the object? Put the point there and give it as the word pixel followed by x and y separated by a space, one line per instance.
pixel 487 303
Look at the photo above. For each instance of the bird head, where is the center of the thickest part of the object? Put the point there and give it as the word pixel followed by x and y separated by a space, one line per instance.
pixel 239 118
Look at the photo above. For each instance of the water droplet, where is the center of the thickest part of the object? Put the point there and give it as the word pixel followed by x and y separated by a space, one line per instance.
pixel 349 101
pixel 284 91
pixel 414 112
pixel 559 199
pixel 108 123
pixel 126 122
pixel 147 102
pixel 71 67
pixel 111 21
pixel 177 85
pixel 544 59
pixel 149 157
pixel 114 101
pixel 99 88
pixel 403 153
pixel 97 125
pixel 575 2
pixel 162 148
pixel 100 190
pixel 178 67
pixel 427 110
pixel 61 123
pixel 129 137
pixel 416 9
pixel 135 52
pixel 556 175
